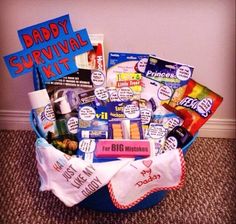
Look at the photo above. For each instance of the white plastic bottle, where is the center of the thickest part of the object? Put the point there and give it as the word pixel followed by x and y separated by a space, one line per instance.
pixel 43 113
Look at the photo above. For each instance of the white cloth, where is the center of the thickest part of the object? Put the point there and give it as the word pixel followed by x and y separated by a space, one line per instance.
pixel 139 178
pixel 71 179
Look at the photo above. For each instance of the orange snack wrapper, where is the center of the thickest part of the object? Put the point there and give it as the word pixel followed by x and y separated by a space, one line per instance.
pixel 197 105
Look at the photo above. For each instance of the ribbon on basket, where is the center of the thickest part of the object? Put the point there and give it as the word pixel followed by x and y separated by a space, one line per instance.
pixel 135 181
pixel 71 179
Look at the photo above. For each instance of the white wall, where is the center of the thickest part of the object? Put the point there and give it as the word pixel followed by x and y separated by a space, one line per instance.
pixel 199 33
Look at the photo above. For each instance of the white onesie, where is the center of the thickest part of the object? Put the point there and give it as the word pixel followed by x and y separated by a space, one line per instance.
pixel 70 178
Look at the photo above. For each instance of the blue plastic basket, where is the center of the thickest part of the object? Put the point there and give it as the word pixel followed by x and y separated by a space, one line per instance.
pixel 101 200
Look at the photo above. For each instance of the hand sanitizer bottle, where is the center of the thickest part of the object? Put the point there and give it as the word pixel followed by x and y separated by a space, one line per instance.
pixel 67 121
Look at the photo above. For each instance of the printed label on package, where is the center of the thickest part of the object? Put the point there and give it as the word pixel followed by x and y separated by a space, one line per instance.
pixel 125 93
pixel 80 78
pixel 86 149
pixel 72 125
pixel 98 78
pixel 131 111
pixel 101 93
pixel 146 115
pixel 49 113
pixel 141 65
pixel 86 97
pixel 171 143
pixel 113 94
pixel 155 92
pixel 87 113
pixel 171 123
pixel 183 73
pixel 164 93
pixel 156 131
pixel 140 60
pixel 87 145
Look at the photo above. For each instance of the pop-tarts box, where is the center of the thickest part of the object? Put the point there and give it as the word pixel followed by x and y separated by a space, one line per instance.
pixel 119 62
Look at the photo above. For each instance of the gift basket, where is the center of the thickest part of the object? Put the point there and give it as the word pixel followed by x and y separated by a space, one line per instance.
pixel 108 138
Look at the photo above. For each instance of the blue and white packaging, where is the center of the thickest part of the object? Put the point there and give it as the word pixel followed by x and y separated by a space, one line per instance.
pixel 156 135
pixel 124 120
pixel 93 122
pixel 155 93
pixel 172 74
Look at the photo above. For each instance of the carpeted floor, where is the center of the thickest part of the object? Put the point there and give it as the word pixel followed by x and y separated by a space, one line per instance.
pixel 209 194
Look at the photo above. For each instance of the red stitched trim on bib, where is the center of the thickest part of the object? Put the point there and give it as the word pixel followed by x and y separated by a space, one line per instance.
pixel 179 185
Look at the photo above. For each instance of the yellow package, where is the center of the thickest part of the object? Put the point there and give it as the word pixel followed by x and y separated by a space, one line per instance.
pixel 132 80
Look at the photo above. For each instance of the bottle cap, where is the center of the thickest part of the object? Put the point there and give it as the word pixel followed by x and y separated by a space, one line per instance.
pixel 64 105
pixel 39 98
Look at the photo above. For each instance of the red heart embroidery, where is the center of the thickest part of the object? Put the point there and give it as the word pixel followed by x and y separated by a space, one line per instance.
pixel 147 163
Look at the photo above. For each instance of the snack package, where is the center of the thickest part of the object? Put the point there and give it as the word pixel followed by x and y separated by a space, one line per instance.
pixel 197 105
pixel 120 63
pixel 93 59
pixel 172 74
pixel 124 120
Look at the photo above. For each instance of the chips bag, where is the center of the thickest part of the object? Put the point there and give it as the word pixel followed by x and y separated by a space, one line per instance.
pixel 197 105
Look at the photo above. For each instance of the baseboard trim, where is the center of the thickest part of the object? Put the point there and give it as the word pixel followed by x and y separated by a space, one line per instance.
pixel 218 128
pixel 14 120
